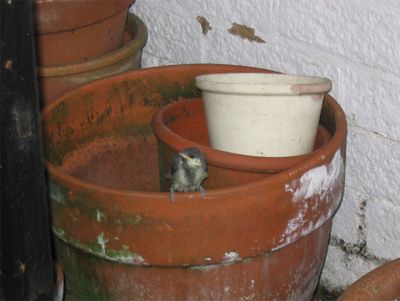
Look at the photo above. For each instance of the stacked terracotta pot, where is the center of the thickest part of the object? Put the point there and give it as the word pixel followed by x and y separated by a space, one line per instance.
pixel 257 235
pixel 79 41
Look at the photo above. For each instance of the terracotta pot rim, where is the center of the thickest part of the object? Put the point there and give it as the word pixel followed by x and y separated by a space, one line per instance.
pixel 223 158
pixel 46 26
pixel 320 156
pixel 134 26
pixel 290 84
pixel 367 287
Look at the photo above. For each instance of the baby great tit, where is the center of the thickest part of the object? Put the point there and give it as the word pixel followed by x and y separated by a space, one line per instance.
pixel 188 171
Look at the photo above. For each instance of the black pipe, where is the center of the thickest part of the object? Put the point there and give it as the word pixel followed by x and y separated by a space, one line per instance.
pixel 26 264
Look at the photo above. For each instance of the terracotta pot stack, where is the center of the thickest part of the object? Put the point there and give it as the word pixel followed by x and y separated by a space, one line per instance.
pixel 182 124
pixel 79 41
pixel 118 237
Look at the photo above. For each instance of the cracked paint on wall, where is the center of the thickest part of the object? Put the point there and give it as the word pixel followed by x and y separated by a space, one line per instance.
pixel 205 25
pixel 245 32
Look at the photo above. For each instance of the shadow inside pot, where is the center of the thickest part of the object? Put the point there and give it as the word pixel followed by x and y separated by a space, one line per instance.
pixel 132 162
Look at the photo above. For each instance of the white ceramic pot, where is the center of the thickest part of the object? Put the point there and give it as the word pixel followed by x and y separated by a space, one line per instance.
pixel 272 115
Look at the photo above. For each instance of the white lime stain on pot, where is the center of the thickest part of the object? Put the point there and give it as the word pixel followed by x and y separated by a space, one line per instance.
pixel 100 216
pixel 205 268
pixel 123 256
pixel 99 249
pixel 132 259
pixel 56 194
pixel 317 181
pixel 296 222
pixel 320 184
pixel 59 232
pixel 102 241
pixel 231 257
pixel 251 295
pixel 248 297
pixel 228 286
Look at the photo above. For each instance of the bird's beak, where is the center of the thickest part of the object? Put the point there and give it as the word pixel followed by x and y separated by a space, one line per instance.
pixel 184 156
pixel 192 162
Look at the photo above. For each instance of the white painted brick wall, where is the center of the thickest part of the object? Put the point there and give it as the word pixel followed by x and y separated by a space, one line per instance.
pixel 382 240
pixel 356 43
pixel 348 217
pixel 341 264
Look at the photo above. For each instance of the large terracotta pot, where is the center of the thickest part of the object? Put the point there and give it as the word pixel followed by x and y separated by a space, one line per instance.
pixel 74 31
pixel 119 238
pixel 182 124
pixel 381 284
pixel 56 80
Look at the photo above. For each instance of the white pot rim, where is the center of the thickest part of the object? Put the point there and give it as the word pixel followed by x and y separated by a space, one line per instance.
pixel 263 84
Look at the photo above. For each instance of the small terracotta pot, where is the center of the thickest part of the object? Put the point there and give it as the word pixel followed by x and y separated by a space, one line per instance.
pixel 75 31
pixel 119 238
pixel 56 80
pixel 182 124
pixel 381 284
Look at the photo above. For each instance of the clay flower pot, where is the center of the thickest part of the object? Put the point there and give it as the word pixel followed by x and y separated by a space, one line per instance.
pixel 381 284
pixel 74 31
pixel 119 238
pixel 182 124
pixel 56 80
pixel 270 115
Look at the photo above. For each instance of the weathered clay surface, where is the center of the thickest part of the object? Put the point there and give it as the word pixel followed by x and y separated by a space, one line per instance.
pixel 118 237
pixel 58 79
pixel 74 31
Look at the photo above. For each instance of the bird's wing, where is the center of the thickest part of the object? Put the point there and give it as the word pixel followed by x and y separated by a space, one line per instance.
pixel 176 162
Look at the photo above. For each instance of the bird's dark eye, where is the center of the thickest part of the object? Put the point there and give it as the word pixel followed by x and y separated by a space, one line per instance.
pixel 191 156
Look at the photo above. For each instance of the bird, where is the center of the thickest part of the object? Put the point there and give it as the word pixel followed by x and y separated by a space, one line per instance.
pixel 188 171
